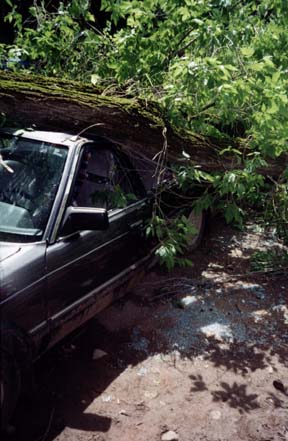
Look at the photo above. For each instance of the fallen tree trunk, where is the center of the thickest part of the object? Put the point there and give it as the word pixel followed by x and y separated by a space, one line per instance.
pixel 55 104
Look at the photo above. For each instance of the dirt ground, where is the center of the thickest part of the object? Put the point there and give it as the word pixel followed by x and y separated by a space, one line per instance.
pixel 198 354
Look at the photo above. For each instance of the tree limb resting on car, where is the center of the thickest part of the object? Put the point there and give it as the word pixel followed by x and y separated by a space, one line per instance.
pixel 55 104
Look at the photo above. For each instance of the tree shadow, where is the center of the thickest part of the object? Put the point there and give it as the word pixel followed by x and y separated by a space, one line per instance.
pixel 70 381
pixel 199 383
pixel 66 383
pixel 236 396
pixel 236 358
pixel 277 402
pixel 282 354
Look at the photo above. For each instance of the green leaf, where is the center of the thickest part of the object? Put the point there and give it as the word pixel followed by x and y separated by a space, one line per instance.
pixel 247 51
pixel 275 77
pixel 95 79
pixel 258 67
pixel 273 108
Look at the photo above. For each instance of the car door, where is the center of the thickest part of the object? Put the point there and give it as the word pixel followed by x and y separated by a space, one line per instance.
pixel 78 264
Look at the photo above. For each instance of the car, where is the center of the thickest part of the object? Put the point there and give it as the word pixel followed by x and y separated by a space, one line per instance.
pixel 73 213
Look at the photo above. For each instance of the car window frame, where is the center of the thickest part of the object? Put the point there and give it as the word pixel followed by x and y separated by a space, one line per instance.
pixel 60 203
pixel 124 164
pixel 74 168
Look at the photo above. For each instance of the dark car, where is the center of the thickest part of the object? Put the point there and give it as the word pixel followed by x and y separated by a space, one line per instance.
pixel 72 239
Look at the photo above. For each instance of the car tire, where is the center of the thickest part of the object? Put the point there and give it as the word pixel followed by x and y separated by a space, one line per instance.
pixel 10 385
pixel 198 219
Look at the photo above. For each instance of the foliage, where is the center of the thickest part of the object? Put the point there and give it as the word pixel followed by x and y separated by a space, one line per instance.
pixel 217 67
pixel 273 260
pixel 173 236
pixel 229 190
pixel 112 197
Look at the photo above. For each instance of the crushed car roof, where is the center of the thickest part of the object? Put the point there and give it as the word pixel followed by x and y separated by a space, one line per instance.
pixel 47 136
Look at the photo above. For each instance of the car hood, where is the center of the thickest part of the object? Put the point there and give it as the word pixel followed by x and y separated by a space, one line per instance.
pixel 8 250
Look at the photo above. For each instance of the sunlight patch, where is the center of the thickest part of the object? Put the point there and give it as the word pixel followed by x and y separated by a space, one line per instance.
pixel 218 331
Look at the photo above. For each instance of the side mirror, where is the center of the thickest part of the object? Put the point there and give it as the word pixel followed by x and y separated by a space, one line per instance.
pixel 83 218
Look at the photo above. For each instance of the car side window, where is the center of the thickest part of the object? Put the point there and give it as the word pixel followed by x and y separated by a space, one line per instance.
pixel 102 181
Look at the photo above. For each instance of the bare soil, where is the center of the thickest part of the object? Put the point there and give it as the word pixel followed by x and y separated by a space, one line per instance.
pixel 201 352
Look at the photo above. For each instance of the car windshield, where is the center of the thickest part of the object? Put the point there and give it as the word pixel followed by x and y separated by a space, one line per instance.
pixel 30 174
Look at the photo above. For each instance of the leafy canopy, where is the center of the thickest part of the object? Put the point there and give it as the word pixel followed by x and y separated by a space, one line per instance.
pixel 217 67
pixel 213 65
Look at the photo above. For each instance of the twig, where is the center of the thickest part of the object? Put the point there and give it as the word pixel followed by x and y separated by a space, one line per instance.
pixel 254 273
pixel 2 162
pixel 89 127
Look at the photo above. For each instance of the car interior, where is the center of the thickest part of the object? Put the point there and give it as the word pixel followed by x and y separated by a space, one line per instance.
pixel 102 181
pixel 29 179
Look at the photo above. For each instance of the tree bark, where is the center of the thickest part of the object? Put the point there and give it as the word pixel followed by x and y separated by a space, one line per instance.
pixel 136 125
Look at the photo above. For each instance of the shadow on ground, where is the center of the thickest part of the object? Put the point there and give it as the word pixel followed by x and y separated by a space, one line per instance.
pixel 234 322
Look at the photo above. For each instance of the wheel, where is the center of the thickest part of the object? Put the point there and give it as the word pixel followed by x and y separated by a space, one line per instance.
pixel 198 220
pixel 10 385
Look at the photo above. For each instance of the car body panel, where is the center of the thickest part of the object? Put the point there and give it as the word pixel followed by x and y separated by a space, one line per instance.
pixel 84 260
pixel 96 300
pixel 54 278
pixel 46 283
pixel 50 287
pixel 7 250
pixel 22 282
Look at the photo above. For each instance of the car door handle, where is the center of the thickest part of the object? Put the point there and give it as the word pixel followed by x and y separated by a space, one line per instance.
pixel 136 225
